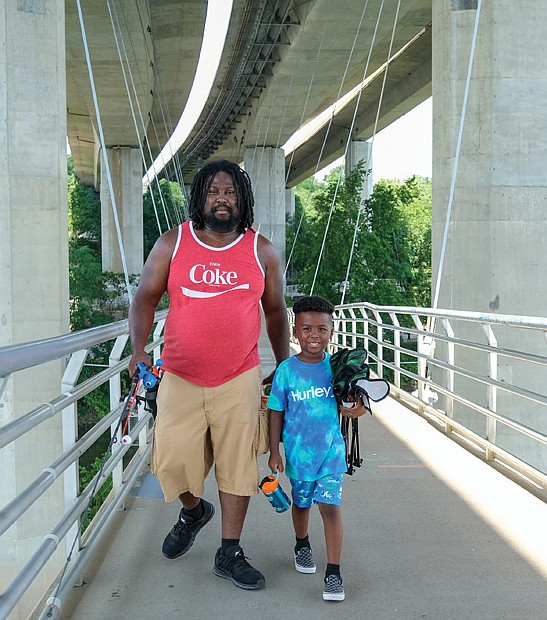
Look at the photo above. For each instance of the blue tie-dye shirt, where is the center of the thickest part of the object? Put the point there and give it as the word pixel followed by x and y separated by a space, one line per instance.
pixel 314 446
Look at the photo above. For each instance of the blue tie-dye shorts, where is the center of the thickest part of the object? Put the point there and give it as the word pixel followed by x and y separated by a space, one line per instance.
pixel 326 490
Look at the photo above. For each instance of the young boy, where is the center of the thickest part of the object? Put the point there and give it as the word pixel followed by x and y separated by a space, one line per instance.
pixel 303 409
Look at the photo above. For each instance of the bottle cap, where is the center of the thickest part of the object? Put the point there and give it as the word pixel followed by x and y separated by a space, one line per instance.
pixel 269 484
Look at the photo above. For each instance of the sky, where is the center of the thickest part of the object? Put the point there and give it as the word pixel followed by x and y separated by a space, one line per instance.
pixel 402 149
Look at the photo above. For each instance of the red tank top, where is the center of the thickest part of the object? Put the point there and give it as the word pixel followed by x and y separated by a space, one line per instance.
pixel 213 324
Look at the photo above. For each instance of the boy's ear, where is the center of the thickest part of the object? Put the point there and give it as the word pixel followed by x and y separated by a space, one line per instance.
pixel 294 331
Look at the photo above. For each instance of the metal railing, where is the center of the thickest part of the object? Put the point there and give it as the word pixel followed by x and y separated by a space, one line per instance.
pixel 477 377
pixel 76 349
pixel 480 378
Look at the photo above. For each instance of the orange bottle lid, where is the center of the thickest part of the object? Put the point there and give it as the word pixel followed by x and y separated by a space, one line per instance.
pixel 269 484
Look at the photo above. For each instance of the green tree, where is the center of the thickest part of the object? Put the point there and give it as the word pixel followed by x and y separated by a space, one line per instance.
pixel 162 212
pixel 390 262
pixel 416 208
pixel 334 202
pixel 96 297
pixel 84 212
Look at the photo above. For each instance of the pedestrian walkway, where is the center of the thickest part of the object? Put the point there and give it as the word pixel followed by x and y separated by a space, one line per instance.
pixel 430 532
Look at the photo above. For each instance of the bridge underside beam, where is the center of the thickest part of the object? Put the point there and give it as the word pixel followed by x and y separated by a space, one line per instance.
pixel 408 84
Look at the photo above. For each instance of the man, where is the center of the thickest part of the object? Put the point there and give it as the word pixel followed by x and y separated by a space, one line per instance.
pixel 217 271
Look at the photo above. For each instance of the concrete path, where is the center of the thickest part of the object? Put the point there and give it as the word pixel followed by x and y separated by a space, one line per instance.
pixel 430 532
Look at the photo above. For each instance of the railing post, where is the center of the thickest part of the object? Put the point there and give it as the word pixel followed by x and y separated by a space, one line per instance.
pixel 337 325
pixel 451 360
pixel 353 328
pixel 157 333
pixel 115 398
pixel 491 426
pixel 422 363
pixel 379 335
pixel 396 352
pixel 365 328
pixel 71 476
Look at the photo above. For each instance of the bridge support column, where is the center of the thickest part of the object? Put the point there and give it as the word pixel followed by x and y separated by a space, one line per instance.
pixel 126 170
pixel 496 252
pixel 266 167
pixel 34 259
pixel 360 150
pixel 290 201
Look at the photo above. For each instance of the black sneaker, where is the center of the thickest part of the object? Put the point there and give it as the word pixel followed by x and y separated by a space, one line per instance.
pixel 234 566
pixel 303 561
pixel 184 532
pixel 333 588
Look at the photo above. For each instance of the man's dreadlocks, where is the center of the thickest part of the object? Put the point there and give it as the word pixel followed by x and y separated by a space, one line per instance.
pixel 244 193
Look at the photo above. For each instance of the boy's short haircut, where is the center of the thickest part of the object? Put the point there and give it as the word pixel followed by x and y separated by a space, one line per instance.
pixel 314 303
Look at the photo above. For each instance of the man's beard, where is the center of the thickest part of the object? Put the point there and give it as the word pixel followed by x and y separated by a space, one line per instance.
pixel 221 225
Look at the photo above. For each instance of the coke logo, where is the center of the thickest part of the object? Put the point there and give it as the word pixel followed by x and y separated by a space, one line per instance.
pixel 199 274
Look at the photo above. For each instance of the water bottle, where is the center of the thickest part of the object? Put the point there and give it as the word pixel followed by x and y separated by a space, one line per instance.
pixel 274 493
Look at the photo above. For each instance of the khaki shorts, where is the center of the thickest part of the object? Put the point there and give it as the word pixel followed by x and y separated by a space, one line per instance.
pixel 197 426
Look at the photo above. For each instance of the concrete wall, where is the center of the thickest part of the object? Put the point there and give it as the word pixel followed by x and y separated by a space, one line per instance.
pixel 496 252
pixel 33 258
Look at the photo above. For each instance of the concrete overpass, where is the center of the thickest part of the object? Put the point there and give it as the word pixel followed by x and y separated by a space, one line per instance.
pixel 284 62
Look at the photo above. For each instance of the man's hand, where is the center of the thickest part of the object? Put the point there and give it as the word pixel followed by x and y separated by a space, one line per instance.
pixel 135 359
pixel 268 380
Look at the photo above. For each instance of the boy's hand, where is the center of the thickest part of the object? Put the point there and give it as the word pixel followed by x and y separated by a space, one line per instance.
pixel 356 411
pixel 275 462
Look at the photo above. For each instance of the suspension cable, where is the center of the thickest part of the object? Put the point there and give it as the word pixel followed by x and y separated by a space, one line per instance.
pixel 345 73
pixel 331 119
pixel 168 125
pixel 294 150
pixel 282 199
pixel 135 95
pixel 130 99
pixel 355 231
pixel 103 147
pixel 346 150
pixel 253 158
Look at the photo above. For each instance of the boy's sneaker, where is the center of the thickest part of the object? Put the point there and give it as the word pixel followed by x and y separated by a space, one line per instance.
pixel 333 590
pixel 303 561
pixel 234 566
pixel 184 532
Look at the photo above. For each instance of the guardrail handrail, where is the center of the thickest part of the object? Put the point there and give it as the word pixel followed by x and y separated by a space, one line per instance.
pixel 527 322
pixel 20 356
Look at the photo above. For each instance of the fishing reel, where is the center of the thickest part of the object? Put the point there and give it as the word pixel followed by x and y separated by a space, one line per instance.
pixel 149 377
